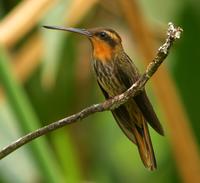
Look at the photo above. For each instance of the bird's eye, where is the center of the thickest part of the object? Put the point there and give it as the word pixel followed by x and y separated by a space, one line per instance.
pixel 103 34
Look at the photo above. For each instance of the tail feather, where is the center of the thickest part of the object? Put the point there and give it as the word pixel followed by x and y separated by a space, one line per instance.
pixel 138 132
pixel 145 148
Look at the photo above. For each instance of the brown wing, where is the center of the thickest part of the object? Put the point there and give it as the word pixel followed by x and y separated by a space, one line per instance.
pixel 122 113
pixel 128 78
pixel 147 109
pixel 137 134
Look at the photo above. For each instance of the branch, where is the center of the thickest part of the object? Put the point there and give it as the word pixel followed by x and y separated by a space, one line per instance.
pixel 173 33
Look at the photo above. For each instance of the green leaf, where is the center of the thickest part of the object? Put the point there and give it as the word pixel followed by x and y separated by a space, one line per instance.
pixel 28 121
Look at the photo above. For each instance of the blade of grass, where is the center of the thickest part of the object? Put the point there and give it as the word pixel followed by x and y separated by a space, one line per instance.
pixel 54 41
pixel 26 60
pixel 67 154
pixel 64 91
pixel 66 149
pixel 81 8
pixel 28 121
pixel 21 19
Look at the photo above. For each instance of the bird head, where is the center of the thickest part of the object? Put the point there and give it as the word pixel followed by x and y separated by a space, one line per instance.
pixel 106 43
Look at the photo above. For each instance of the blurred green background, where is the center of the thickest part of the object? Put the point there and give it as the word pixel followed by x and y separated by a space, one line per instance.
pixel 46 75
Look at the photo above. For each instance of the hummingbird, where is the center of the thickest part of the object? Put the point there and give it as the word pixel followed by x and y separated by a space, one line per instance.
pixel 115 73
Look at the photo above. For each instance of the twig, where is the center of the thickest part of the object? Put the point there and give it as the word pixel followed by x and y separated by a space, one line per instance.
pixel 173 33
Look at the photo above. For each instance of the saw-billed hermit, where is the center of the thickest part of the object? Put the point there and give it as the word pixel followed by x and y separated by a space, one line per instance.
pixel 115 73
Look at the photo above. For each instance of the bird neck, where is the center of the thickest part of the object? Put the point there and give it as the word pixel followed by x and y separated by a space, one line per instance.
pixel 104 52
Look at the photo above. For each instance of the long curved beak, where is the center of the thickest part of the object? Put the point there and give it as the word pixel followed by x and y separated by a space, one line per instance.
pixel 76 30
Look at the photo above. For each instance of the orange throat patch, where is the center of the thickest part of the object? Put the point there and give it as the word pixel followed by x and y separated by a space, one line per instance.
pixel 102 50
